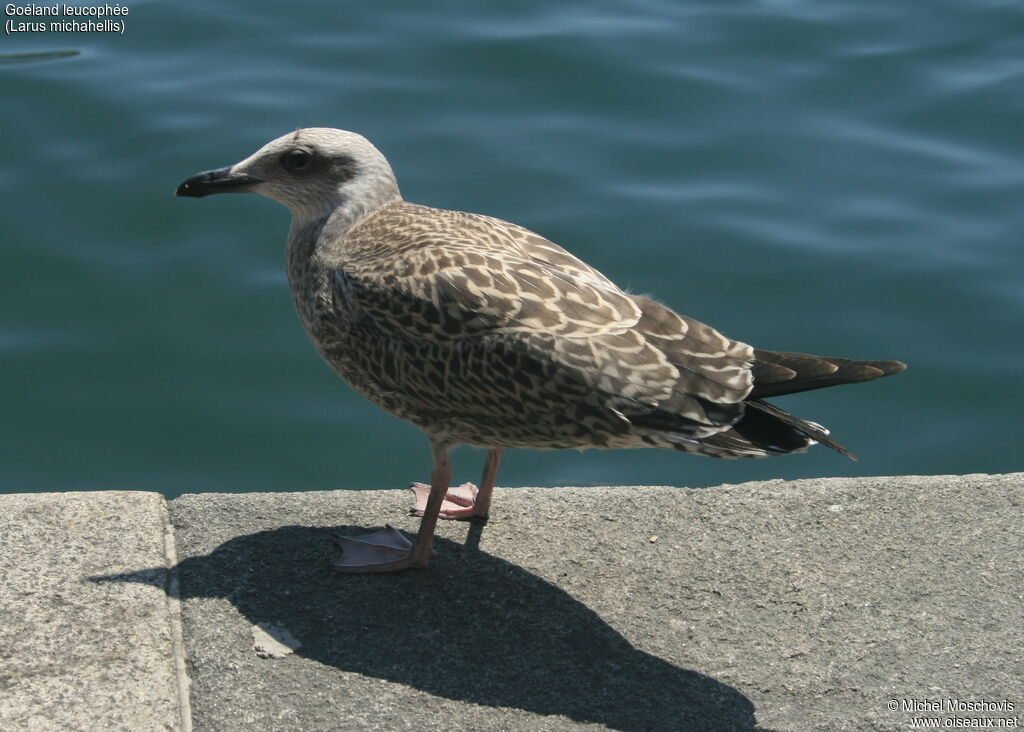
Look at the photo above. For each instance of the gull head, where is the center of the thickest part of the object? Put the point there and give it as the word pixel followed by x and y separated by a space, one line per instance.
pixel 312 171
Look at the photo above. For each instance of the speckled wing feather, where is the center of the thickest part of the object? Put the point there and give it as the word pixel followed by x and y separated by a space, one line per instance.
pixel 710 365
pixel 455 277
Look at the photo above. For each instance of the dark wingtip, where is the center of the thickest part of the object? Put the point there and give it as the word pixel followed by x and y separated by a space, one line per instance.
pixel 878 369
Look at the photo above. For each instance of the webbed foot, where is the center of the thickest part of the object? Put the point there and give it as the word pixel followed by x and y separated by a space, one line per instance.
pixel 386 550
pixel 460 502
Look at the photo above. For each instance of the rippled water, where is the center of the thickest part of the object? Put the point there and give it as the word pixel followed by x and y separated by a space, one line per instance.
pixel 835 177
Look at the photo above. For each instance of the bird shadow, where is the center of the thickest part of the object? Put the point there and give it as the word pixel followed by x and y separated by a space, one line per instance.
pixel 471 628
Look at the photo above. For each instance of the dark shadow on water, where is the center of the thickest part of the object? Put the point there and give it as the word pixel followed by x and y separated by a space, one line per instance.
pixel 471 627
pixel 17 59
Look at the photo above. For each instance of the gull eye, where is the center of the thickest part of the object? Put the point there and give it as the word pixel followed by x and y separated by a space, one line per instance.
pixel 296 159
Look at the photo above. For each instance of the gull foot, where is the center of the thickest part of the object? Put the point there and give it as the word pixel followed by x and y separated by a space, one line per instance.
pixel 382 551
pixel 459 502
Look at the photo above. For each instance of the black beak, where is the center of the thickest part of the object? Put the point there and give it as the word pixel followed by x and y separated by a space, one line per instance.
pixel 221 180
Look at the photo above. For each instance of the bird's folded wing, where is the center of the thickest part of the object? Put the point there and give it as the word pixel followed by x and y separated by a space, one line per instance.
pixel 508 283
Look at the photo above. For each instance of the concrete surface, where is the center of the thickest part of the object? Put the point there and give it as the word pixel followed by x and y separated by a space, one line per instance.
pixel 77 654
pixel 841 604
pixel 783 605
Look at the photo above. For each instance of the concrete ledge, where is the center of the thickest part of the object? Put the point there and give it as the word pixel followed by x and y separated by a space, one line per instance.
pixel 783 605
pixel 804 605
pixel 75 653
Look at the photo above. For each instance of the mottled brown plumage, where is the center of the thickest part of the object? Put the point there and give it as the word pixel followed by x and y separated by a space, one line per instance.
pixel 481 332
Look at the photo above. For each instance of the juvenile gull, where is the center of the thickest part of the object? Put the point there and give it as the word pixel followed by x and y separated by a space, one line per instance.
pixel 480 332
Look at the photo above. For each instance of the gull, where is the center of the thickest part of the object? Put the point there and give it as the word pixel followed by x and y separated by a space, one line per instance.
pixel 480 332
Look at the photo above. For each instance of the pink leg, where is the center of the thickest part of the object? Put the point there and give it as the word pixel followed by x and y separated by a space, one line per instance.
pixel 483 496
pixel 388 550
pixel 466 500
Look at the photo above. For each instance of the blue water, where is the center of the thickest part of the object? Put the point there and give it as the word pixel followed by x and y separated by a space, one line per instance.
pixel 844 178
